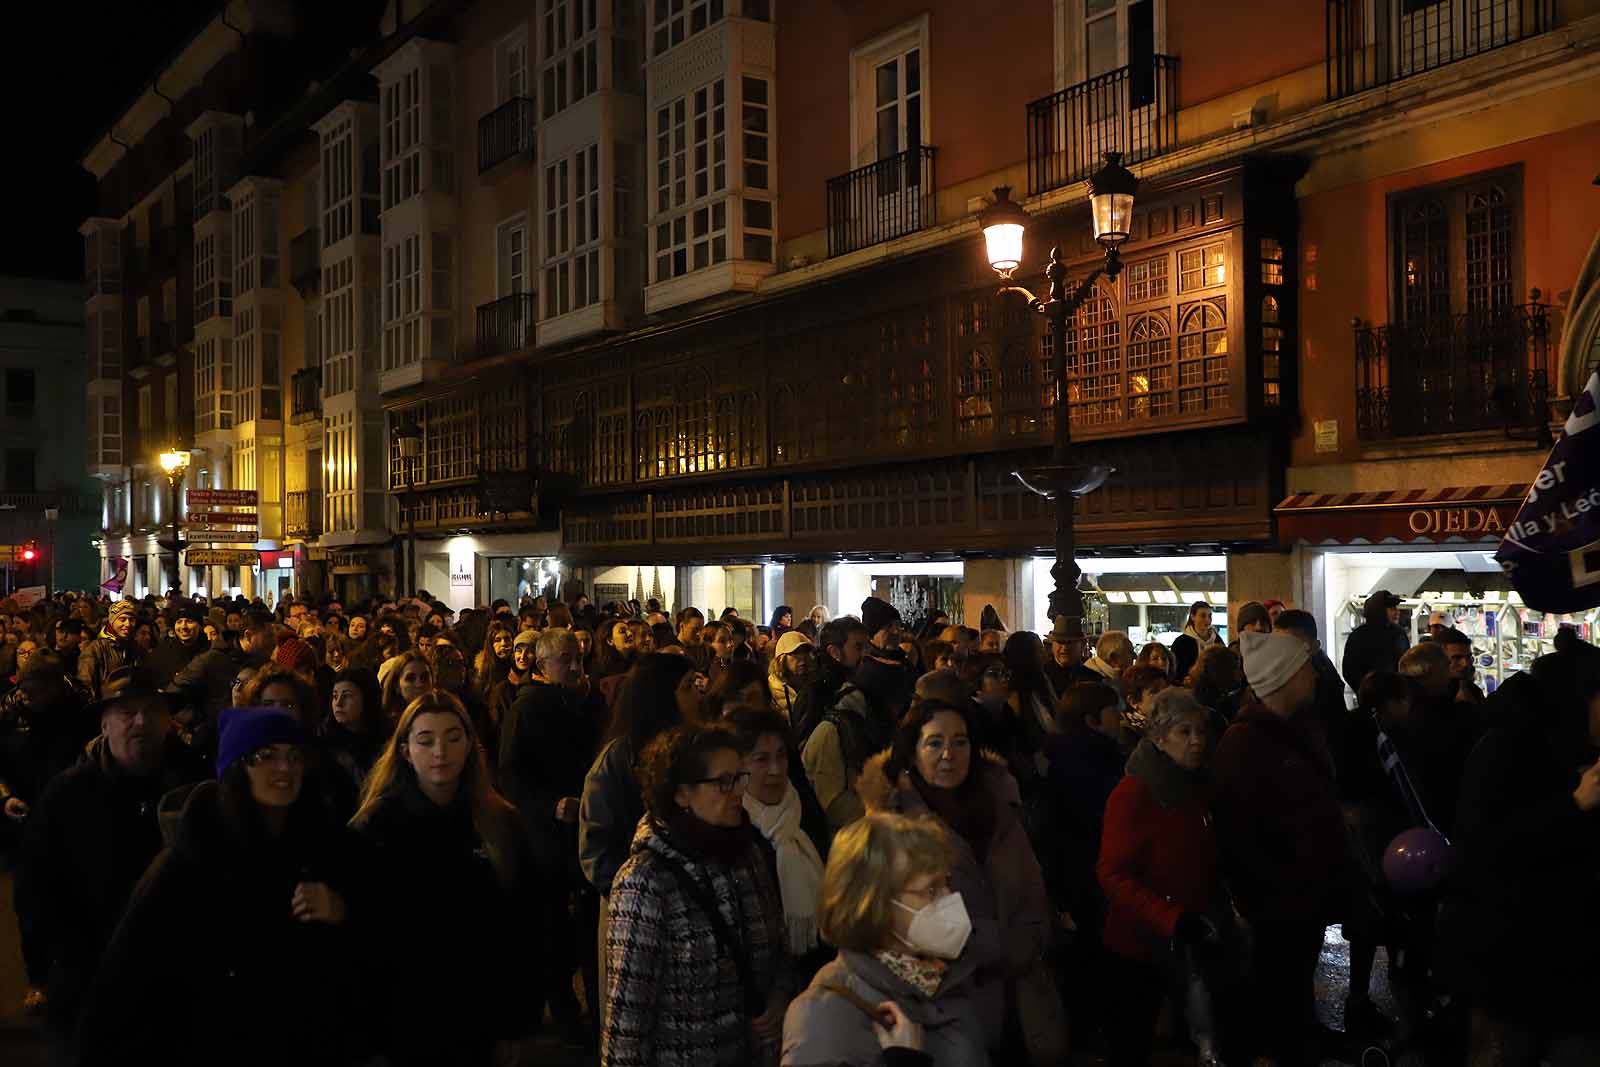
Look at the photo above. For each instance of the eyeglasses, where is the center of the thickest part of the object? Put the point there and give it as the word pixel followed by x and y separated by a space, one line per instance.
pixel 938 746
pixel 726 783
pixel 266 756
pixel 999 674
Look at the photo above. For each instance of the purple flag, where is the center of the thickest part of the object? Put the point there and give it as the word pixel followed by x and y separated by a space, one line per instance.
pixel 1552 550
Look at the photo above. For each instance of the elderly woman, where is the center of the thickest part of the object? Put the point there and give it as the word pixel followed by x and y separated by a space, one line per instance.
pixel 933 770
pixel 901 991
pixel 1160 871
pixel 696 949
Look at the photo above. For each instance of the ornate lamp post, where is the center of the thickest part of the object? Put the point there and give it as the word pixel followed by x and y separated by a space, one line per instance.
pixel 1111 193
pixel 175 463
pixel 408 436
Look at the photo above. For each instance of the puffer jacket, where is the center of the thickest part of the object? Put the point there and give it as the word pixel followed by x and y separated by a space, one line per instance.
pixel 824 1029
pixel 674 994
pixel 1007 885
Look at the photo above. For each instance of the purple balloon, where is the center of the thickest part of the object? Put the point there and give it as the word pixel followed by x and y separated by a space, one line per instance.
pixel 1418 861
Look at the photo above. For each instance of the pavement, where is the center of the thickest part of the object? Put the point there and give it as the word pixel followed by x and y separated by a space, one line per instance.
pixel 22 1044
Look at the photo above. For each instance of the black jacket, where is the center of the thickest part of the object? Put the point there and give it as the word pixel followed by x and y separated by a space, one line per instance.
pixel 1372 646
pixel 36 744
pixel 469 981
pixel 172 656
pixel 350 752
pixel 209 964
pixel 1085 766
pixel 89 839
pixel 546 744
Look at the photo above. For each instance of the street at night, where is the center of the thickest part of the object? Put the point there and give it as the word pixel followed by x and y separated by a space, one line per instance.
pixel 798 533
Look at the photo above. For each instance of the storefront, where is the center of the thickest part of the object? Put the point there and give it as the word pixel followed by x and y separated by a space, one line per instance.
pixel 1434 549
pixel 1146 597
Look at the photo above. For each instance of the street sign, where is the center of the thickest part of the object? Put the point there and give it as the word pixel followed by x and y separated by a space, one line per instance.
pixel 223 518
pixel 222 498
pixel 225 537
pixel 219 557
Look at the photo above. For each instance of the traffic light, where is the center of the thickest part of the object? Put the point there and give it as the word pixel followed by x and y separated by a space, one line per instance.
pixel 30 552
pixel 28 559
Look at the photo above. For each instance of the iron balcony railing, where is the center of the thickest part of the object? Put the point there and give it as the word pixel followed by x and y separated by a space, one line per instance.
pixel 1457 374
pixel 305 395
pixel 302 516
pixel 883 200
pixel 505 325
pixel 305 261
pixel 505 132
pixel 1132 110
pixel 1375 42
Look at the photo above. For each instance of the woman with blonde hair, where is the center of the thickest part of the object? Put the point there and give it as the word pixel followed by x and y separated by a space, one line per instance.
pixel 901 989
pixel 438 828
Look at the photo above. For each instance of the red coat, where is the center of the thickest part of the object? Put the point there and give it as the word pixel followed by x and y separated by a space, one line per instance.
pixel 1155 864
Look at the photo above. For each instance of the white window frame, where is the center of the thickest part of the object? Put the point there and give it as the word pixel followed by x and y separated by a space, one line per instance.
pixel 1071 47
pixel 502 274
pixel 864 62
pixel 504 88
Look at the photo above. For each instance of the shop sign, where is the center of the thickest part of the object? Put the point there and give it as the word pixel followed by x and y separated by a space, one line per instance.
pixel 357 561
pixel 1457 521
pixel 1473 513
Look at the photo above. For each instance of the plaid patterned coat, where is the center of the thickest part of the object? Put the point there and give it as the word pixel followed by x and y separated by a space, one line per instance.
pixel 674 995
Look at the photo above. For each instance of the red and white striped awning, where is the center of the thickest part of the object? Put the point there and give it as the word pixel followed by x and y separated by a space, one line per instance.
pixel 1458 514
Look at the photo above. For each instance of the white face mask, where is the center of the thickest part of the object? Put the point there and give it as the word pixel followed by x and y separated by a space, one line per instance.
pixel 939 928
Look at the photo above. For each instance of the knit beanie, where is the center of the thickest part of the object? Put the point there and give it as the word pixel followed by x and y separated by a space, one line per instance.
pixel 296 655
pixel 877 614
pixel 122 607
pixel 791 640
pixel 242 731
pixel 525 638
pixel 1270 660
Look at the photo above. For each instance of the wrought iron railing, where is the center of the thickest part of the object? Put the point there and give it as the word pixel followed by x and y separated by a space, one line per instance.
pixel 305 261
pixel 883 200
pixel 1457 374
pixel 1374 42
pixel 505 132
pixel 305 394
pixel 1132 110
pixel 505 325
pixel 302 514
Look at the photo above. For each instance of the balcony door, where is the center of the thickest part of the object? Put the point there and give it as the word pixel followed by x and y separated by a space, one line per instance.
pixel 890 124
pixel 511 83
pixel 1424 34
pixel 515 322
pixel 1116 108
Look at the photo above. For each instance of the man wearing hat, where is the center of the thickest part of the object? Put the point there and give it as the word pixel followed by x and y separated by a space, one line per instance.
pixel 1378 643
pixel 1253 617
pixel 1281 833
pixel 1069 651
pixel 112 649
pixel 186 641
pixel 882 620
pixel 793 667
pixel 94 831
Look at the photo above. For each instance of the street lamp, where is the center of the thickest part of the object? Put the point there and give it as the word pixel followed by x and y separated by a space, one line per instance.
pixel 1111 192
pixel 175 462
pixel 408 436
pixel 51 514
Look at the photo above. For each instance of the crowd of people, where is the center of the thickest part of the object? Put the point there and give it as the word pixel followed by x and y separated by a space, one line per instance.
pixel 390 832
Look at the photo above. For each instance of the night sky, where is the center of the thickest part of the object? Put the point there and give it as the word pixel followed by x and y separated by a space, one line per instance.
pixel 69 71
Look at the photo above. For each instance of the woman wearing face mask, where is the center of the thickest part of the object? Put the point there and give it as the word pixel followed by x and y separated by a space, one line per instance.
pixel 1160 870
pixel 1198 634
pixel 933 769
pixel 438 829
pixel 355 730
pixel 902 991
pixel 241 921
pixel 408 681
pixel 696 946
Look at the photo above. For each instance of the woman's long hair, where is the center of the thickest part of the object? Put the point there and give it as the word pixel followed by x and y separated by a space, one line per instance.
pixel 393 702
pixel 647 701
pixel 776 624
pixel 488 669
pixel 1023 654
pixel 374 723
pixel 493 817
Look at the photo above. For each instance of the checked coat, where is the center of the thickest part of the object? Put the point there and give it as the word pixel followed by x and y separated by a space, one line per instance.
pixel 675 998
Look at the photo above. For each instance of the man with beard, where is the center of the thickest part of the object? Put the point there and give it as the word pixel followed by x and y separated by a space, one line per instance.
pixel 175 652
pixel 112 649
pixel 68 643
pixel 93 833
pixel 1463 668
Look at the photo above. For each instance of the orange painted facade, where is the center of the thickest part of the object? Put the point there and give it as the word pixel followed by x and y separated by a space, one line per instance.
pixel 1218 59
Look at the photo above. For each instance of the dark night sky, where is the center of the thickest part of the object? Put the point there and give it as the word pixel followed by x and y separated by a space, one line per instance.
pixel 70 69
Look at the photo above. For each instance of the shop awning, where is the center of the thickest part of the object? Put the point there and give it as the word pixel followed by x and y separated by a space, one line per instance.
pixel 1460 514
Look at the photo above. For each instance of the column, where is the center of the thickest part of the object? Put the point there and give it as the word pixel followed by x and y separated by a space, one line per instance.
pixel 1007 584
pixel 1262 576
pixel 805 585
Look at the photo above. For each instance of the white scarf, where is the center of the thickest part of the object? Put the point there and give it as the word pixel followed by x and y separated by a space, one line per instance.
pixel 1210 637
pixel 799 865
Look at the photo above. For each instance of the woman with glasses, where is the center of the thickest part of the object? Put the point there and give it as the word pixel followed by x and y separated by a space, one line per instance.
pixel 989 679
pixel 901 991
pixel 933 770
pixel 696 948
pixel 235 946
pixel 454 862
pixel 276 686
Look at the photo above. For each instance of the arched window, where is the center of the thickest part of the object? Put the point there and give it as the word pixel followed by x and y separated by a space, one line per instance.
pixel 611 461
pixel 1203 357
pixel 1151 374
pixel 783 425
pixel 975 395
pixel 644 448
pixel 1489 256
pixel 1094 361
pixel 692 416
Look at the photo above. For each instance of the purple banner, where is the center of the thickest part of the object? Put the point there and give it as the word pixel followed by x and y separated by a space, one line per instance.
pixel 1552 549
pixel 119 576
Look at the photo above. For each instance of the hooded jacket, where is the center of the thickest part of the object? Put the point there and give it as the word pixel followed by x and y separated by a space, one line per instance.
pixel 209 965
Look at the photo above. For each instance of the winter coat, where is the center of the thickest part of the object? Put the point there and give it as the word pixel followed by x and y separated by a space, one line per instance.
pixel 435 858
pixel 674 993
pixel 1521 933
pixel 610 809
pixel 205 683
pixel 824 1029
pixel 1158 858
pixel 209 965
pixel 102 656
pixel 841 744
pixel 351 752
pixel 1085 766
pixel 547 742
pixel 1186 650
pixel 172 655
pixel 88 841
pixel 1007 885
pixel 1372 646
pixel 38 744
pixel 1278 819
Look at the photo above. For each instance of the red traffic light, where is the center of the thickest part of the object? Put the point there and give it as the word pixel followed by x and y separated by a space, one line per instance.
pixel 29 554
